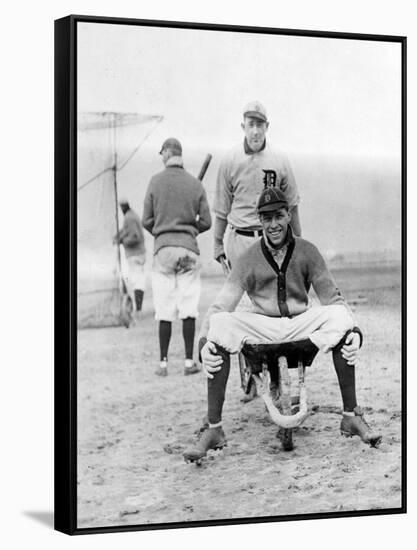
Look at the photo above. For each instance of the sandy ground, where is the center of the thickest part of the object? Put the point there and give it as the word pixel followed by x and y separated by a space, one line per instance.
pixel 133 427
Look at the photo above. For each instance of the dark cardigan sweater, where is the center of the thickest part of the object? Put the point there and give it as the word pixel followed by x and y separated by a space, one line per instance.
pixel 284 292
pixel 274 291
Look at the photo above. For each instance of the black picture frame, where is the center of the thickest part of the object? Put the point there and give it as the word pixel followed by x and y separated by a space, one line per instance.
pixel 66 269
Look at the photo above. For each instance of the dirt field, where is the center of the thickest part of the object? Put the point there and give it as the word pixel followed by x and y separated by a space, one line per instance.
pixel 133 427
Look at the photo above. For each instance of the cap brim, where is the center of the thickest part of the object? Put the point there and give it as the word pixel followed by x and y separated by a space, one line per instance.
pixel 272 206
pixel 254 114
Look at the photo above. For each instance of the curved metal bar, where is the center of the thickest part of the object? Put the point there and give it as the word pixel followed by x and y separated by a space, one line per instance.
pixel 283 420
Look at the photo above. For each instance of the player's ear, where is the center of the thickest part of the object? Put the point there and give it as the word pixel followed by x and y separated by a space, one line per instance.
pixel 242 125
pixel 266 126
pixel 261 220
pixel 289 215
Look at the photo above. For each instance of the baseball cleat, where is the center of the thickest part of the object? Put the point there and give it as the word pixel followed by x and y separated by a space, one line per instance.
pixel 191 369
pixel 204 424
pixel 357 425
pixel 162 369
pixel 212 438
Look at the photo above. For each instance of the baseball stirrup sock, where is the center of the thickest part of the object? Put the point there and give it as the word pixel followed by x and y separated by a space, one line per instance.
pixel 138 299
pixel 216 388
pixel 165 328
pixel 346 376
pixel 188 332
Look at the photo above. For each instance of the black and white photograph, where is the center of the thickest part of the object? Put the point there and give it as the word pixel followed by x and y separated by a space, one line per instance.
pixel 239 215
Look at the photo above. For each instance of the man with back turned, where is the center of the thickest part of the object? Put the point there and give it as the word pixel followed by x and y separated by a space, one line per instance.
pixel 175 212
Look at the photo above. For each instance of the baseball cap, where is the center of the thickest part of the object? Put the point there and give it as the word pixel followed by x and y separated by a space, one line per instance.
pixel 173 144
pixel 255 109
pixel 271 199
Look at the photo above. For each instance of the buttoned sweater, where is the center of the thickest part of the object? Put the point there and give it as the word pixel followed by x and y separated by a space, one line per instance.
pixel 277 291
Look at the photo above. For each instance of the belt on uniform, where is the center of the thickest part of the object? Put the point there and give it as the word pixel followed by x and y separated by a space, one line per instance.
pixel 248 233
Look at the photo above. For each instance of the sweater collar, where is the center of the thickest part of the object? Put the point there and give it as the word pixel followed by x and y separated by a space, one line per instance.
pixel 289 243
pixel 175 161
pixel 249 151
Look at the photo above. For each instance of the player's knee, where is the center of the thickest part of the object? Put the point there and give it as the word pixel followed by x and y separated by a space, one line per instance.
pixel 340 317
pixel 221 319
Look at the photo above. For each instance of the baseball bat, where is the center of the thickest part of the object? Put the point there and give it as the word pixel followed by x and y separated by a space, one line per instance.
pixel 203 169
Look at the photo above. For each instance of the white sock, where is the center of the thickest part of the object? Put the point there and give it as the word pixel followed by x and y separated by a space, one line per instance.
pixel 348 413
pixel 189 363
pixel 215 425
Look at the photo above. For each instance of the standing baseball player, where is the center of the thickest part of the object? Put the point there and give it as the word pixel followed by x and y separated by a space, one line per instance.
pixel 243 173
pixel 277 272
pixel 175 212
pixel 133 241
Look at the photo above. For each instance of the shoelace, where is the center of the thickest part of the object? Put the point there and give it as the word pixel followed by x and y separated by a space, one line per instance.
pixel 359 412
pixel 199 433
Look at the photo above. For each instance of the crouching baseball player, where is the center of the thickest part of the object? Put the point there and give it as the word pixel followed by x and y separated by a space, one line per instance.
pixel 244 171
pixel 175 212
pixel 277 272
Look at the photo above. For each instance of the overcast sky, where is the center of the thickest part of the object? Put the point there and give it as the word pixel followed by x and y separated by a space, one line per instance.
pixel 322 95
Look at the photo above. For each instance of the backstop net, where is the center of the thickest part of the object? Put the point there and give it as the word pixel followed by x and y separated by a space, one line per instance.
pixel 106 142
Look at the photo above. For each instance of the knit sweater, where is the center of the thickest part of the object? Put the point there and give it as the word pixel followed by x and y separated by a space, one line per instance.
pixel 176 209
pixel 274 291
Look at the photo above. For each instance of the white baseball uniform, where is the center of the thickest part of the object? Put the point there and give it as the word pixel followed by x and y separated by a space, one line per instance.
pixel 241 178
